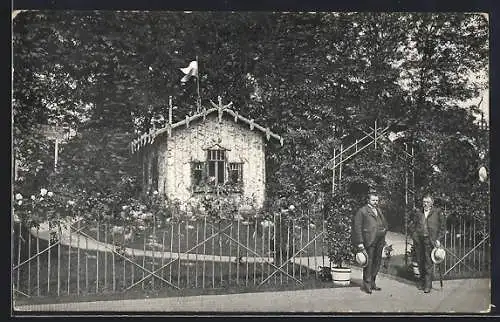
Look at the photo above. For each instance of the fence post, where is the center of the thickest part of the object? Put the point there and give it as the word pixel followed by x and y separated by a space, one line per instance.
pixel 255 248
pixel 48 261
pixel 37 262
pixel 204 249
pixel 196 255
pixel 78 260
pixel 97 259
pixel 248 244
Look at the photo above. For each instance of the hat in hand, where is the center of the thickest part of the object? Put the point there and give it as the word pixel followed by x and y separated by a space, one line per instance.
pixel 437 255
pixel 362 258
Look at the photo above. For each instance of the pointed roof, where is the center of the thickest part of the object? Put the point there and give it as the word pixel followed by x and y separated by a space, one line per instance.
pixel 149 137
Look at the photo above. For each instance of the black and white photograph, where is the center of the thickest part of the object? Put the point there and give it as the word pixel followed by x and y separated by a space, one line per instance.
pixel 250 162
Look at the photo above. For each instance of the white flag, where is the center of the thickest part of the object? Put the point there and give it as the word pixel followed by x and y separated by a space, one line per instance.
pixel 191 70
pixel 394 136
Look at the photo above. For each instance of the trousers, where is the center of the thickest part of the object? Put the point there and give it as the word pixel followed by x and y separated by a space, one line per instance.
pixel 374 261
pixel 423 249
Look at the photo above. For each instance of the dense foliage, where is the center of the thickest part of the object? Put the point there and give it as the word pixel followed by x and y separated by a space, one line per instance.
pixel 317 79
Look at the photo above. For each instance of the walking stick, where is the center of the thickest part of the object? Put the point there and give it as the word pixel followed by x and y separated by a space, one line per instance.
pixel 440 276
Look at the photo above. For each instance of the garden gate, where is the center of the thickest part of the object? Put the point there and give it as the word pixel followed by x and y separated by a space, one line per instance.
pixel 87 257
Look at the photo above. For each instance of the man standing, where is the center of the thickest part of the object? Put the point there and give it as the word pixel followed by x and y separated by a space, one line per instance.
pixel 429 228
pixel 368 233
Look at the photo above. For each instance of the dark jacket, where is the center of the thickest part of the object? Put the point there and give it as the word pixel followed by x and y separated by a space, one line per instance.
pixel 436 224
pixel 365 226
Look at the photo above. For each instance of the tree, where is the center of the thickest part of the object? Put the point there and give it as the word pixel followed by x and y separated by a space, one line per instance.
pixel 317 79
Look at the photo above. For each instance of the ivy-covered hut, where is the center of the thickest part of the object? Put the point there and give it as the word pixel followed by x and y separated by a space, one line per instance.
pixel 214 151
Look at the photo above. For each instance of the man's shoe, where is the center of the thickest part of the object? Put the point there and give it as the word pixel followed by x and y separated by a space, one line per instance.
pixel 376 288
pixel 366 289
pixel 427 290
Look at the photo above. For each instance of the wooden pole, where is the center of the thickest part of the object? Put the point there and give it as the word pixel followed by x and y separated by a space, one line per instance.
pixel 474 242
pixel 78 260
pixel 204 249
pixel 220 255
pixel 114 265
pixel 187 254
pixel 105 257
pixel 29 263
pixel 263 252
pixel 323 242
pixel 196 255
pixel 171 250
pixel 87 264
pixel 340 165
pixel 308 239
pixel 213 258
pixel 300 257
pixel 248 243
pixel 229 262
pixel 179 254
pixel 69 258
pixel 48 262
pixel 333 172
pixel 37 263
pixel 293 248
pixel 314 253
pixel 406 210
pixel 56 153
pixel 59 259
pixel 97 260
pixel 287 245
pixel 281 246
pixel 238 253
pixel 134 258
pixel 143 258
pixel 198 100
pixel 124 262
pixel 170 110
pixel 162 257
pixel 269 250
pixel 275 252
pixel 255 247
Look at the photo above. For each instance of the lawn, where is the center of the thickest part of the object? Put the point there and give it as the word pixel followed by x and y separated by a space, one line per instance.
pixel 189 236
pixel 70 272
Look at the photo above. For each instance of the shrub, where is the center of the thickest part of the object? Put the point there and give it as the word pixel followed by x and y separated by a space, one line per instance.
pixel 339 212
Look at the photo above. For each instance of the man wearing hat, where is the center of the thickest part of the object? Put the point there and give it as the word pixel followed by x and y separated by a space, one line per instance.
pixel 429 228
pixel 368 234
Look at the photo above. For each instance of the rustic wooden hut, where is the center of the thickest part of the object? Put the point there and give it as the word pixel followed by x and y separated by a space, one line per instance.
pixel 209 152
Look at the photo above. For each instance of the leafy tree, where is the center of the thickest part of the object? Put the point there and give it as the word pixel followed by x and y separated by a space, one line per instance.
pixel 317 79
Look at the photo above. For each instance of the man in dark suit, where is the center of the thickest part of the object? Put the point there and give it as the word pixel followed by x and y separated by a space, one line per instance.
pixel 368 233
pixel 429 227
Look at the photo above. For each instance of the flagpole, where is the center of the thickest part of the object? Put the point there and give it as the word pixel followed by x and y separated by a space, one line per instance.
pixel 198 103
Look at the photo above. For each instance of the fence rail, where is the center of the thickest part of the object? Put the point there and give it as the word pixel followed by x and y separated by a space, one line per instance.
pixel 89 257
pixel 468 248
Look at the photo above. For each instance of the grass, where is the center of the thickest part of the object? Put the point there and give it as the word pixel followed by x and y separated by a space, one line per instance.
pixel 184 236
pixel 57 270
pixel 56 276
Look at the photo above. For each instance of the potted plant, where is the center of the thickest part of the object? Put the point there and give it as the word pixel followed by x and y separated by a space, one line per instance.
pixel 338 217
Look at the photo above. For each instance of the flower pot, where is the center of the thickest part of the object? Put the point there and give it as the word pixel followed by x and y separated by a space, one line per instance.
pixel 341 276
pixel 416 271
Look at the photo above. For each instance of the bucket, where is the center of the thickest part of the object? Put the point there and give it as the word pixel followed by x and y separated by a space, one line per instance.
pixel 416 271
pixel 341 276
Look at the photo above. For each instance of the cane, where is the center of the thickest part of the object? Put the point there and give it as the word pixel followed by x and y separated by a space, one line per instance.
pixel 440 275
